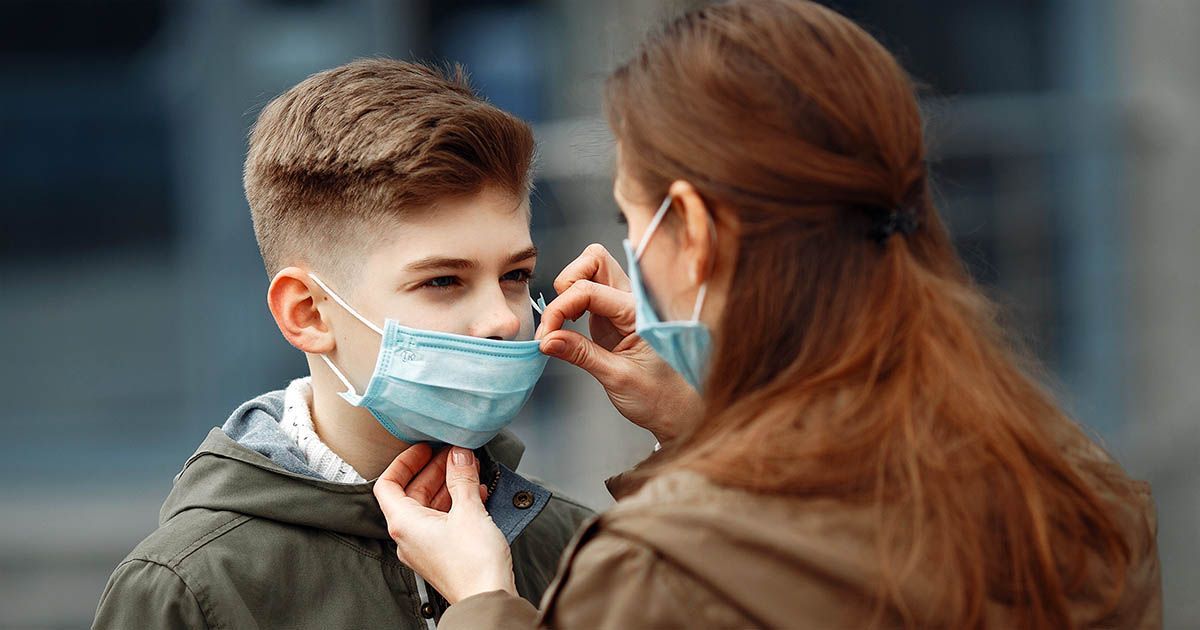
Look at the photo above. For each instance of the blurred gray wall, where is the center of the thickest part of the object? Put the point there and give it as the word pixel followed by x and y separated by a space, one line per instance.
pixel 1160 99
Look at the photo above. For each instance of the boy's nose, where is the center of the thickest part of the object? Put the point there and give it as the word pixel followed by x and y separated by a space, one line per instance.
pixel 498 321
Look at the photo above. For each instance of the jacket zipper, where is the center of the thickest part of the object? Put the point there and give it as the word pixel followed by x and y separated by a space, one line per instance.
pixel 495 482
pixel 423 592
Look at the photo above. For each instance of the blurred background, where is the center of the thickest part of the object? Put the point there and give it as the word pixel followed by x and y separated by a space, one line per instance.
pixel 1065 134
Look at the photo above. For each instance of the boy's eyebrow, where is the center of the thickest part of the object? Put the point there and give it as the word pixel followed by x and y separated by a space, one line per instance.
pixel 443 262
pixel 528 252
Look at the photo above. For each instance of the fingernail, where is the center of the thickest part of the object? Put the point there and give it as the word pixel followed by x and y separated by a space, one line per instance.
pixel 462 456
pixel 554 347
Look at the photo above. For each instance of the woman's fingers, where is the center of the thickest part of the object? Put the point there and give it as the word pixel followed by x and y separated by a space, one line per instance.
pixel 460 553
pixel 429 481
pixel 594 264
pixel 427 487
pixel 585 296
pixel 462 479
pixel 435 543
pixel 407 464
pixel 442 502
pixel 582 352
pixel 389 488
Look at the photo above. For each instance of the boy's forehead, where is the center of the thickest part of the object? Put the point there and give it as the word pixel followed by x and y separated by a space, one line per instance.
pixel 487 228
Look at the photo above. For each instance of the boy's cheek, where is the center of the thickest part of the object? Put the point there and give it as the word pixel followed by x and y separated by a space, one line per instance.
pixel 358 354
pixel 527 326
pixel 414 312
pixel 527 330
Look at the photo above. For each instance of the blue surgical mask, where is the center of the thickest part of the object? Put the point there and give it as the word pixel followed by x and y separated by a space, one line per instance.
pixel 440 387
pixel 684 345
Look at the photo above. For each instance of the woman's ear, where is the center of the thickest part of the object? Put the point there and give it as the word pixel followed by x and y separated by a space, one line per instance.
pixel 699 244
pixel 293 298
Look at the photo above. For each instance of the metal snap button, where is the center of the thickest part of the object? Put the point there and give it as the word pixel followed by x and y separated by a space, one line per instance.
pixel 523 500
pixel 427 610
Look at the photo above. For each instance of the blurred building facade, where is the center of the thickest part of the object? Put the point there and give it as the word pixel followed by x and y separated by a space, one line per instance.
pixel 1064 136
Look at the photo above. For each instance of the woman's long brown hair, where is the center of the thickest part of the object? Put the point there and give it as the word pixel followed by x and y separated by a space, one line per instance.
pixel 848 366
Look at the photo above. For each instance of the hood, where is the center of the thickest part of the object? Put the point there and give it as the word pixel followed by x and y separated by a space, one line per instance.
pixel 250 467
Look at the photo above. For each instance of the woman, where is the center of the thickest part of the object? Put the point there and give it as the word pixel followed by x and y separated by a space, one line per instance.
pixel 868 449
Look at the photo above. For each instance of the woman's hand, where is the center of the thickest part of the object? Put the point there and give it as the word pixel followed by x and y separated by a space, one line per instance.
pixel 460 552
pixel 643 387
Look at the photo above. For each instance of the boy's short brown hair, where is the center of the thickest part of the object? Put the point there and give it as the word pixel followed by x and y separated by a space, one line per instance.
pixel 359 145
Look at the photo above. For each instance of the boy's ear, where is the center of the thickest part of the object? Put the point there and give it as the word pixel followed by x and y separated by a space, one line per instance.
pixel 292 300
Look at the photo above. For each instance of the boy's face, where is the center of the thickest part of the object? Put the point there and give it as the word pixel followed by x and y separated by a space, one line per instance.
pixel 462 267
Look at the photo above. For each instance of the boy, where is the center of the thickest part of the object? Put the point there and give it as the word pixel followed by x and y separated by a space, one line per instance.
pixel 380 191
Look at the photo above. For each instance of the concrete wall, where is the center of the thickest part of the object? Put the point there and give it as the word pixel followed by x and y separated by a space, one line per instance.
pixel 1161 91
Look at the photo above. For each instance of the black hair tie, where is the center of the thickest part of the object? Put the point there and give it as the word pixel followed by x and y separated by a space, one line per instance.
pixel 895 221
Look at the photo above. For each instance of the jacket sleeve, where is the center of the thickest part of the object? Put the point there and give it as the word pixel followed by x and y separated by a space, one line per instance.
pixel 496 610
pixel 144 594
pixel 611 582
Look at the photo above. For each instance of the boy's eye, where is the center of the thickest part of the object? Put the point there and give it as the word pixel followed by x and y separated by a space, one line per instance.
pixel 517 275
pixel 442 282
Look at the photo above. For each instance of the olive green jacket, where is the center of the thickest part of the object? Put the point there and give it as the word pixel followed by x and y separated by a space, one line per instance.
pixel 245 543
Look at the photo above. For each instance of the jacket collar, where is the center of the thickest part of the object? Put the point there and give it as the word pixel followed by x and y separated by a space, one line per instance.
pixel 225 475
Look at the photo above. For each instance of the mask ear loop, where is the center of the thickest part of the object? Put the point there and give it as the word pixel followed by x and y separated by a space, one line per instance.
pixel 341 377
pixel 342 303
pixel 650 229
pixel 712 229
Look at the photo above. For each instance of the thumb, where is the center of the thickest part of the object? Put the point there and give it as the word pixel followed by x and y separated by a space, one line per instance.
pixel 581 352
pixel 462 479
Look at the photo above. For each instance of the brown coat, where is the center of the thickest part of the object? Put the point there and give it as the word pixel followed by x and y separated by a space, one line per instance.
pixel 683 552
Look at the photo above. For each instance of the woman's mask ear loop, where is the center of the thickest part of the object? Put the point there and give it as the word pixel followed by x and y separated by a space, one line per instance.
pixel 703 292
pixel 342 303
pixel 650 229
